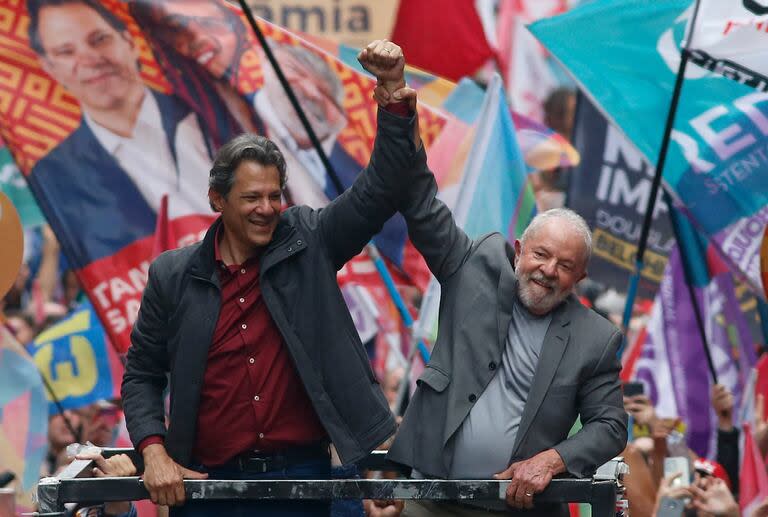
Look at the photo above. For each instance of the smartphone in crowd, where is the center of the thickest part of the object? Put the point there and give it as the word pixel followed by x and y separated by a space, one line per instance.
pixel 632 389
pixel 681 464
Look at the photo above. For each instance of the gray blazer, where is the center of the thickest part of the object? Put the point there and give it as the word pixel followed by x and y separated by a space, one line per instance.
pixel 577 373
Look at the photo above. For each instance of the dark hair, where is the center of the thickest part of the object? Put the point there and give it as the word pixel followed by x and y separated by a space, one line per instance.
pixel 35 6
pixel 241 148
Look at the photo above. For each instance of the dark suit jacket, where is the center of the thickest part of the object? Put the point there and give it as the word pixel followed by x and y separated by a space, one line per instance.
pixel 297 280
pixel 577 372
pixel 91 202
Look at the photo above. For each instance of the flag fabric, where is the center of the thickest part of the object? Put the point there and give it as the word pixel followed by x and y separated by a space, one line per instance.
pixel 12 184
pixel 85 175
pixel 164 238
pixel 716 156
pixel 610 189
pixel 753 478
pixel 452 44
pixel 527 73
pixel 672 362
pixel 76 359
pixel 494 195
pixel 730 38
pixel 542 148
pixel 23 412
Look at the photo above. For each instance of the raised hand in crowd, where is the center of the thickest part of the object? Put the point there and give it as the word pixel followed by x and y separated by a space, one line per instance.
pixel 164 478
pixel 761 510
pixel 712 497
pixel 761 424
pixel 669 489
pixel 722 403
pixel 119 465
pixel 641 409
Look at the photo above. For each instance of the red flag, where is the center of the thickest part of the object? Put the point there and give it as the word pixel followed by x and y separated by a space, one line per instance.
pixel 447 42
pixel 164 239
pixel 753 476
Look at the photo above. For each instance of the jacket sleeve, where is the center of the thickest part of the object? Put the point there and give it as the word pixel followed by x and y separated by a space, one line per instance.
pixel 604 422
pixel 350 221
pixel 728 455
pixel 431 226
pixel 147 364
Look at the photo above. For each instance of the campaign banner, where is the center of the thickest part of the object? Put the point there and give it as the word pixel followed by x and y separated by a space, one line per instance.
pixel 110 106
pixel 610 189
pixel 77 361
pixel 672 363
pixel 717 164
pixel 730 38
pixel 23 413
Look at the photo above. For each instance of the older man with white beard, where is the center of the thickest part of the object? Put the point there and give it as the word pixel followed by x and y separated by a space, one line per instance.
pixel 517 359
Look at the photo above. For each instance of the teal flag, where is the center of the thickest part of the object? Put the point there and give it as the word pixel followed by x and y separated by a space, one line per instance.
pixel 12 183
pixel 625 54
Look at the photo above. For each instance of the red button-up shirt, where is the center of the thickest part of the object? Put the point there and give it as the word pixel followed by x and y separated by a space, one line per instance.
pixel 252 397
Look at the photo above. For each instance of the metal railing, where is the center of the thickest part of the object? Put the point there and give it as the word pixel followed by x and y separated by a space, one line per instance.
pixel 604 491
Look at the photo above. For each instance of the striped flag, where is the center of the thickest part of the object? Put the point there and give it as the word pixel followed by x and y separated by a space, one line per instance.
pixel 23 412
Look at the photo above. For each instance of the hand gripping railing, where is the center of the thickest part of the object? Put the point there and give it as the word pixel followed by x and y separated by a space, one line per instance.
pixel 74 485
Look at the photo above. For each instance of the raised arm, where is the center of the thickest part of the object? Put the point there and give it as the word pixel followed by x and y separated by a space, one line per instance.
pixel 352 219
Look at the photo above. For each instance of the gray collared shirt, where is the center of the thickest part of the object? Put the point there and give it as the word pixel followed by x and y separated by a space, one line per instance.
pixel 485 440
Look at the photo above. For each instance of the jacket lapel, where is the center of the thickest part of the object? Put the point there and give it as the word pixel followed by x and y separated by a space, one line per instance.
pixel 506 298
pixel 552 350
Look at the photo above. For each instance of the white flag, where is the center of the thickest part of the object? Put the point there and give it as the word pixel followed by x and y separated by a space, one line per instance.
pixel 731 38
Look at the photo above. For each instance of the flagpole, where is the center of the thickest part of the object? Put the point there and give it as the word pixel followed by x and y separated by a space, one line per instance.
pixel 648 219
pixel 689 282
pixel 59 407
pixel 338 185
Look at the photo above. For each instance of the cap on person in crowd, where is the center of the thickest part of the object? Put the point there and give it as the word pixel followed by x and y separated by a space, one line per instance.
pixel 707 467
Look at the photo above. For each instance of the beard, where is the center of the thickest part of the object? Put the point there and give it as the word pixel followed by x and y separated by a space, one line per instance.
pixel 536 298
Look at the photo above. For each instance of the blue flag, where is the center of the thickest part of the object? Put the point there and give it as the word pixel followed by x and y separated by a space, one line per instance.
pixel 76 360
pixel 718 162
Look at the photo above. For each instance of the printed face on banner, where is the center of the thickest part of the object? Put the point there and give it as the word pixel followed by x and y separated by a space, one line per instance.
pixel 94 60
pixel 110 105
pixel 207 32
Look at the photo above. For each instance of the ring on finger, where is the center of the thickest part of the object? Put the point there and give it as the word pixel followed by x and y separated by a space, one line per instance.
pixel 529 494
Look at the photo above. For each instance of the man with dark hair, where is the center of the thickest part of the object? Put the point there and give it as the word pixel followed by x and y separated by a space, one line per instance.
pixel 266 367
pixel 133 145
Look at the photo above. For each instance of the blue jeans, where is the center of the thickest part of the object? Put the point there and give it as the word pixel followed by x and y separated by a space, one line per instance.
pixel 315 469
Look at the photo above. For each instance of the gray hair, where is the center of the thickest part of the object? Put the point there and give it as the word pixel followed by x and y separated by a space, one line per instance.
pixel 569 216
pixel 316 65
pixel 241 148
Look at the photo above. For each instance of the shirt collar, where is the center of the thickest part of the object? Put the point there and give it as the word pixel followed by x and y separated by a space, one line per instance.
pixel 149 115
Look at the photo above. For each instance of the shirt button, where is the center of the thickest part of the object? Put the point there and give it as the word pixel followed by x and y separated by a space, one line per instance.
pixel 251 360
pixel 242 300
pixel 491 366
pixel 242 271
pixel 256 398
pixel 472 397
pixel 298 243
pixel 244 326
pixel 261 435
pixel 290 249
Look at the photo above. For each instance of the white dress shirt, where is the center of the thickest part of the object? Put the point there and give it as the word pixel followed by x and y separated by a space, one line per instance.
pixel 148 160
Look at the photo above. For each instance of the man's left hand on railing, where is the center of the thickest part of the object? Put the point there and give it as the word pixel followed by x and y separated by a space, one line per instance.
pixel 531 477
